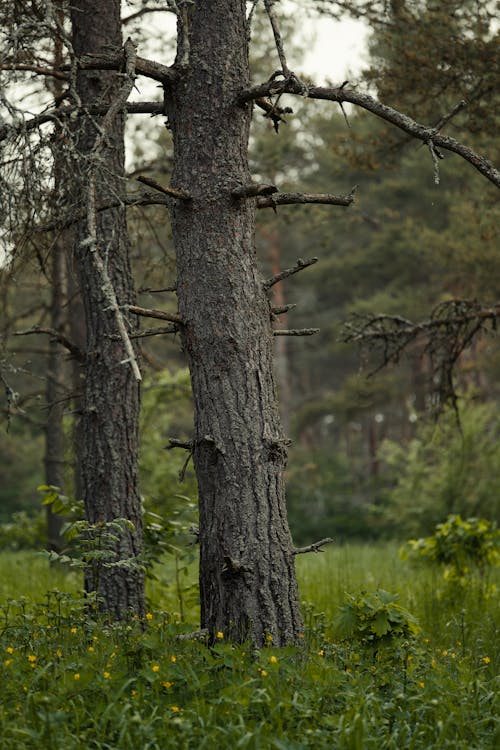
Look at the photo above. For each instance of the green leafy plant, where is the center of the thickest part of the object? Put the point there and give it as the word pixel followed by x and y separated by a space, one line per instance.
pixel 375 618
pixel 460 546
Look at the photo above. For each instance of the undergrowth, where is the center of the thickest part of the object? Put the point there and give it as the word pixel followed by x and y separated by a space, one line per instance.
pixel 74 682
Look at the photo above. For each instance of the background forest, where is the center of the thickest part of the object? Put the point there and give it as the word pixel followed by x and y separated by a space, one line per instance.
pixel 368 457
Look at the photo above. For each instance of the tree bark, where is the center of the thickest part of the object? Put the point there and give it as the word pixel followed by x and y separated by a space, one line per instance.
pixel 247 576
pixel 109 423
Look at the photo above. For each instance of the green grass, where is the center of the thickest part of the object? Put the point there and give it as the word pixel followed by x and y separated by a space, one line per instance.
pixel 72 683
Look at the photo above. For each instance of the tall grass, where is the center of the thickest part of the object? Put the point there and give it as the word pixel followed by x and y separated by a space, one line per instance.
pixel 70 682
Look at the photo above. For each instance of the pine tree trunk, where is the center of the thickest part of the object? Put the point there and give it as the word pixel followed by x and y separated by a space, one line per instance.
pixel 109 424
pixel 247 576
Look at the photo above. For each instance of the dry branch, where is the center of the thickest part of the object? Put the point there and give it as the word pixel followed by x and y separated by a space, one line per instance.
pixel 281 199
pixel 296 332
pixel 315 547
pixel 299 266
pixel 172 192
pixel 342 94
pixel 56 336
pixel 151 313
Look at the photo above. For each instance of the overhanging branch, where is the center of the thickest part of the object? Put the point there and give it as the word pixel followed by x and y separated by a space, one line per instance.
pixel 342 94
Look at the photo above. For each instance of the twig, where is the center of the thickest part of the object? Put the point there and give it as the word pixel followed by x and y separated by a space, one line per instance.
pixel 315 547
pixel 299 266
pixel 149 290
pixel 268 4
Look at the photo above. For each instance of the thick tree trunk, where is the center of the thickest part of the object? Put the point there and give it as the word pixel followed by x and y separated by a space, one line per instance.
pixel 109 423
pixel 247 576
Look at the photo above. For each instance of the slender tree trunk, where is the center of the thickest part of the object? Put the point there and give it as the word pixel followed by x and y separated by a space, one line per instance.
pixel 56 391
pixel 109 423
pixel 247 576
pixel 57 368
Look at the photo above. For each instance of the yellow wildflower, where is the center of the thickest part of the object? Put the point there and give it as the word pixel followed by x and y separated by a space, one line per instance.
pixel 421 684
pixel 106 675
pixel 7 662
pixel 91 649
pixel 173 658
pixel 156 667
pixel 321 652
pixel 9 650
pixel 76 676
pixel 175 709
pixel 59 653
pixel 31 658
pixel 167 684
pixel 220 635
pixel 134 693
pixel 149 616
pixel 73 630
pixel 486 659
pixel 273 660
pixel 263 673
pixel 269 638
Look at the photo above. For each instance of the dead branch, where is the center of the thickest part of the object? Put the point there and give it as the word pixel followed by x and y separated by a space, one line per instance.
pixel 91 240
pixel 172 192
pixel 281 199
pixel 174 443
pixel 268 4
pixel 450 330
pixel 151 313
pixel 315 547
pixel 37 69
pixel 148 68
pixel 296 332
pixel 252 190
pixel 342 94
pixel 282 309
pixel 55 336
pixel 299 266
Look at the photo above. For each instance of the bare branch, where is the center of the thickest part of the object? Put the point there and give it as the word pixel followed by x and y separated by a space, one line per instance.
pixel 403 122
pixel 172 192
pixel 143 11
pixel 56 336
pixel 174 443
pixel 299 266
pixel 142 199
pixel 148 68
pixel 450 330
pixel 296 332
pixel 158 331
pixel 37 69
pixel 282 199
pixel 152 313
pixel 91 241
pixel 315 547
pixel 268 4
pixel 282 309
pixel 253 189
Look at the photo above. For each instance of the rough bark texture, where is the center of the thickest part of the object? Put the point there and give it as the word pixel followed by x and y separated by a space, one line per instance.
pixel 247 576
pixel 109 423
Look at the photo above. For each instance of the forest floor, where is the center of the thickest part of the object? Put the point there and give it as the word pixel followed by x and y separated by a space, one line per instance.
pixel 365 679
